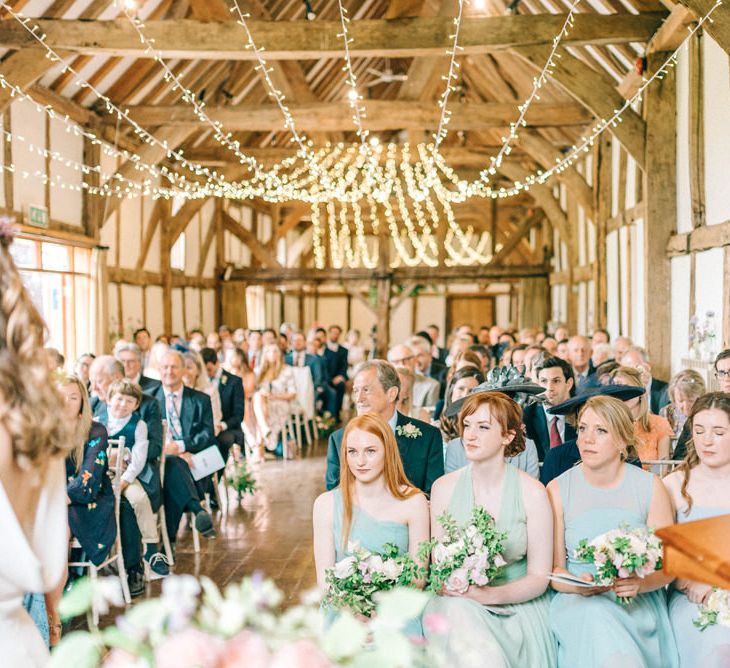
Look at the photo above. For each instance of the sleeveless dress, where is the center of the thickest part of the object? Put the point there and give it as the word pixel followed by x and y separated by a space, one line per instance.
pixel 479 637
pixel 709 648
pixel 598 631
pixel 371 534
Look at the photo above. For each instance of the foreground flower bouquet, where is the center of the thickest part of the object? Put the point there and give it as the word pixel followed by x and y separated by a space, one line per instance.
pixel 621 553
pixel 465 555
pixel 355 579
pixel 239 477
pixel 715 611
pixel 194 625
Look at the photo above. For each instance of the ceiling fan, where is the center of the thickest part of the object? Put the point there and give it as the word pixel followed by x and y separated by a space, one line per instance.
pixel 386 75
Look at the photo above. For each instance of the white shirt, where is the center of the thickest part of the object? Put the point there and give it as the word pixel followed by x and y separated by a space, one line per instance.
pixel 138 454
pixel 561 422
pixel 178 406
pixel 393 422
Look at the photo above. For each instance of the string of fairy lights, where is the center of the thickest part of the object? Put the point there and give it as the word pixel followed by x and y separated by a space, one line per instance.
pixel 340 176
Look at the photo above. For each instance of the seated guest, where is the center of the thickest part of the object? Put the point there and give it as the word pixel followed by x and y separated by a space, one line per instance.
pixel 517 357
pixel 653 433
pixel 515 385
pixel 89 488
pixel 600 337
pixel 601 494
pixel 275 390
pixel 462 382
pixel 189 430
pixel 335 357
pixel 561 350
pixel 255 348
pixel 531 354
pixel 602 352
pixel 637 358
pixel 548 431
pixel 213 342
pixel 425 390
pixel 375 390
pixel 620 346
pixel 122 419
pixel 684 389
pixel 700 489
pixel 196 378
pixel 237 364
pixel 722 370
pixel 491 428
pixel 579 356
pixel 300 357
pixel 563 457
pixel 130 357
pixel 426 365
pixel 485 357
pixel 143 340
pixel 231 398
pixel 437 353
pixel 460 344
pixel 561 333
pixel 550 345
pixel 152 368
pixel 355 350
pixel 81 369
pixel 405 396
pixel 467 358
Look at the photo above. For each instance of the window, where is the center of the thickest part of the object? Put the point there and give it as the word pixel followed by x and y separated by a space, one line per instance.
pixel 177 253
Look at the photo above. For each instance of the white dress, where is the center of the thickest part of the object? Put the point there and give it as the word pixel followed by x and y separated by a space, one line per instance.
pixel 34 565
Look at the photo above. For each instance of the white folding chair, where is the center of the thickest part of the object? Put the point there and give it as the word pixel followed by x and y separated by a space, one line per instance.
pixel 115 555
pixel 662 467
pixel 303 406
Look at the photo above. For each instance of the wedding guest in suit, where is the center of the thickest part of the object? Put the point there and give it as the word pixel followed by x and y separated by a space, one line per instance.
pixel 213 342
pixel 144 342
pixel 700 489
pixel 130 357
pixel 600 494
pixel 425 390
pixel 653 432
pixel 437 352
pixel 375 390
pixel 620 346
pixel 548 431
pixel 335 357
pixel 426 365
pixel 254 350
pixel 299 357
pixel 561 333
pixel 232 401
pixel 600 336
pixel 637 358
pixel 190 429
pixel 236 364
pixel 491 427
pixel 579 356
pixel 684 389
pixel 81 369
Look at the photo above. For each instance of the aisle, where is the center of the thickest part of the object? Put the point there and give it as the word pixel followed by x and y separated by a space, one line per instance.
pixel 270 532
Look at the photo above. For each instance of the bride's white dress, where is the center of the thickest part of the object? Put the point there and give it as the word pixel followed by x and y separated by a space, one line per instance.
pixel 30 564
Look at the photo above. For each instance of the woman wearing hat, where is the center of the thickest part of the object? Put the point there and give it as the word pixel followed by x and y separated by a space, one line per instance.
pixel 600 494
pixel 514 629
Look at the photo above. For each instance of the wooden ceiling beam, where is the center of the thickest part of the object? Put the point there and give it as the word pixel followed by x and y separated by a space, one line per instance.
pixel 22 68
pixel 246 237
pixel 719 26
pixel 295 40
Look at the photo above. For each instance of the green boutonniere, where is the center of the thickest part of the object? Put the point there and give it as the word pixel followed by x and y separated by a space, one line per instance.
pixel 408 430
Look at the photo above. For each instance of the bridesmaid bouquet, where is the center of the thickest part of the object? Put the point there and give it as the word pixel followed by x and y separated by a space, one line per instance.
pixel 620 553
pixel 353 581
pixel 715 611
pixel 466 555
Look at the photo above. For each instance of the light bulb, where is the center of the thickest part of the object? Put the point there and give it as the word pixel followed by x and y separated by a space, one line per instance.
pixel 352 94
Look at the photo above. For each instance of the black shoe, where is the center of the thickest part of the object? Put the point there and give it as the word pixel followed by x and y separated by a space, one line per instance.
pixel 135 580
pixel 204 524
pixel 213 504
pixel 157 566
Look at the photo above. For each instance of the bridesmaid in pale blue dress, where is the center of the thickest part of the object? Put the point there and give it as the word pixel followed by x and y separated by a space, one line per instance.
pixel 513 629
pixel 374 504
pixel 700 489
pixel 602 493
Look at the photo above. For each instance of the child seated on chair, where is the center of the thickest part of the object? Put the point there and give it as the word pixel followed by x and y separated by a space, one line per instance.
pixel 123 400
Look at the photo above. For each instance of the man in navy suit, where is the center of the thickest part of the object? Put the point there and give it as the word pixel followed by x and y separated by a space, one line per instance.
pixel 130 356
pixel 549 431
pixel 299 357
pixel 335 357
pixel 230 390
pixel 375 390
pixel 579 355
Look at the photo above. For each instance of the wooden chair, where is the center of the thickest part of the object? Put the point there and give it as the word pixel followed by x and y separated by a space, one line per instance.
pixel 115 555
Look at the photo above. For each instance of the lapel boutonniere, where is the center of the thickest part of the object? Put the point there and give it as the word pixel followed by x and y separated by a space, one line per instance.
pixel 224 379
pixel 408 430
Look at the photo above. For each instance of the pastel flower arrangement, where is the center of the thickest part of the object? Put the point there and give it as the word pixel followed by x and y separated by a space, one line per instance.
pixel 353 581
pixel 469 554
pixel 195 625
pixel 239 477
pixel 621 553
pixel 716 610
pixel 409 430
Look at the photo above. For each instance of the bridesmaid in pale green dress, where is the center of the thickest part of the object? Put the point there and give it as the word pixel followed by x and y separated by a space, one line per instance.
pixel 603 493
pixel 700 489
pixel 513 631
pixel 374 504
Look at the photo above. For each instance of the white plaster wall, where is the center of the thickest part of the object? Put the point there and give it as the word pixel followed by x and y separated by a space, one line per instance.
pixel 638 302
pixel 625 287
pixel 154 315
pixel 132 309
pixel 291 309
pixel 680 309
pixel 332 310
pixel 612 285
pixel 178 326
pixel 30 124
pixel 582 324
pixel 431 309
pixel 130 215
pixel 362 318
pixel 501 309
pixel 192 308
pixel 66 204
pixel 717 131
pixel 615 153
pixel 107 236
pixel 708 279
pixel 152 261
pixel 401 322
pixel 193 243
pixel 208 315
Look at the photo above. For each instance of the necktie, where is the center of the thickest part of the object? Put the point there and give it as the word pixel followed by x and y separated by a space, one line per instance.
pixel 173 417
pixel 554 433
pixel 301 360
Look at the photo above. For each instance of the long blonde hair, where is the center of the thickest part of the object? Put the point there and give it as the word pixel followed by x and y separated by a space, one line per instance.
pixel 633 377
pixel 270 370
pixel 619 421
pixel 395 478
pixel 81 431
pixel 29 401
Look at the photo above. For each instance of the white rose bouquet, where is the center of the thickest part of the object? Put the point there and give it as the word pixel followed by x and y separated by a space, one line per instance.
pixel 715 611
pixel 621 553
pixel 353 581
pixel 465 555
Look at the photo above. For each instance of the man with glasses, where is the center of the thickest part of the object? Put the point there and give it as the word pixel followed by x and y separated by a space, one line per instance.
pixel 425 389
pixel 722 370
pixel 637 358
pixel 130 355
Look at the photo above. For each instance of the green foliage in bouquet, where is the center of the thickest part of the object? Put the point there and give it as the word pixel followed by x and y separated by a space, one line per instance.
pixel 240 478
pixel 354 580
pixel 466 554
pixel 716 610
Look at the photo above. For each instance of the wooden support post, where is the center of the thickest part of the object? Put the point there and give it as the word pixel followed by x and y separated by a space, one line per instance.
pixel 602 194
pixel 220 259
pixel 384 284
pixel 660 195
pixel 696 131
pixel 165 268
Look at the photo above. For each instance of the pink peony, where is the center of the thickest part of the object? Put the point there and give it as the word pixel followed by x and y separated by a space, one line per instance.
pixel 624 572
pixel 478 578
pixel 188 649
pixel 300 654
pixel 433 622
pixel 458 581
pixel 345 568
pixel 245 649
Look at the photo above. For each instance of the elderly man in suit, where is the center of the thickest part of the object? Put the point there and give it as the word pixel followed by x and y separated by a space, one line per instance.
pixel 375 390
pixel 549 431
pixel 130 356
pixel 425 390
pixel 299 357
pixel 637 358
pixel 189 430
pixel 426 363
pixel 230 390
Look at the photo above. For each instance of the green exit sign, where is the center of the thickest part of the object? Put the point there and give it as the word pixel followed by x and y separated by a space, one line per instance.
pixel 38 216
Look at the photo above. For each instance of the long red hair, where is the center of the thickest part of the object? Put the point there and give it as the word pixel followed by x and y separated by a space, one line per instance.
pixel 395 478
